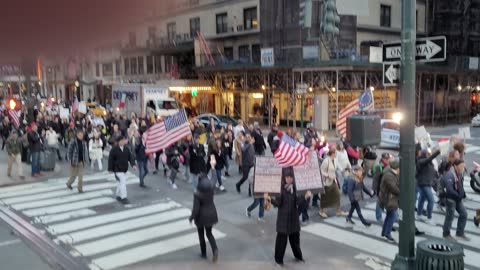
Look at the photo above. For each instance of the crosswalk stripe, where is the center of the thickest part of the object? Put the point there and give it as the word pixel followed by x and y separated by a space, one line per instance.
pixel 135 237
pixel 141 253
pixel 369 245
pixel 107 218
pixel 123 226
pixel 437 218
pixel 471 148
pixel 62 200
pixel 64 191
pixel 64 216
pixel 52 182
pixel 69 207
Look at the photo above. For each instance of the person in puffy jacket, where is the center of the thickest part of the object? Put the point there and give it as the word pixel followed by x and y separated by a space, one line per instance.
pixel 389 196
pixel 426 175
pixel 453 183
pixel 355 194
pixel 204 214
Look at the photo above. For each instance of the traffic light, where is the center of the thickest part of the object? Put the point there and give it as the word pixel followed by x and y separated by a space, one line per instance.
pixel 12 104
pixel 194 92
pixel 305 16
pixel 330 19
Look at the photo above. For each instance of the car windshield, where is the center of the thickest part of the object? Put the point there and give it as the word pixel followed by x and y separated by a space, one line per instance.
pixel 167 105
pixel 227 119
pixel 391 125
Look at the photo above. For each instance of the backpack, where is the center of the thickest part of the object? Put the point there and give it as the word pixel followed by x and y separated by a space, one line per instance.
pixel 377 179
pixel 175 162
pixel 347 180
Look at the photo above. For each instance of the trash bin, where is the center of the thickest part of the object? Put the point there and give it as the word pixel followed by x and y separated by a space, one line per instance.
pixel 439 255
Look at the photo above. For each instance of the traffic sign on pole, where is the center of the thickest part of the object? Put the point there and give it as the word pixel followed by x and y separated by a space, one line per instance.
pixel 391 74
pixel 431 49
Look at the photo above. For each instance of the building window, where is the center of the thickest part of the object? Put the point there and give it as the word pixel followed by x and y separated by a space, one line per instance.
pixel 126 66
pixel 228 52
pixel 152 32
pixel 107 69
pixel 150 64
pixel 250 18
pixel 133 66
pixel 132 39
pixel 244 53
pixel 158 64
pixel 222 24
pixel 141 70
pixel 385 15
pixel 117 68
pixel 171 31
pixel 194 26
pixel 97 69
pixel 256 54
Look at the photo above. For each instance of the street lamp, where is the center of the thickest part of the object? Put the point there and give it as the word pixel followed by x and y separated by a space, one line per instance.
pixel 263 87
pixel 459 88
pixel 77 84
pixel 372 88
pixel 334 89
pixel 310 89
pixel 397 117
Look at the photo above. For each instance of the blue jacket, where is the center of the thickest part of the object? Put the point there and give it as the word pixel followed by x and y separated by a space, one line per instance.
pixel 356 189
pixel 454 185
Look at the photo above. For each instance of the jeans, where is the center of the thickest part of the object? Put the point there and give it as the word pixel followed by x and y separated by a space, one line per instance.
pixel 187 172
pixel 194 179
pixel 142 170
pixel 245 172
pixel 257 202
pixel 355 206
pixel 388 223
pixel 201 237
pixel 219 176
pixel 35 163
pixel 451 206
pixel 303 211
pixel 425 194
pixel 378 211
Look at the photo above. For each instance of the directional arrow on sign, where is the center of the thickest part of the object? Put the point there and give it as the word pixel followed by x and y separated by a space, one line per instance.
pixel 427 50
pixel 391 74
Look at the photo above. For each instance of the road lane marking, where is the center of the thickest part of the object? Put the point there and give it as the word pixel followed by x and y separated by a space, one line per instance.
pixel 10 242
pixel 76 197
pixel 135 237
pixel 83 223
pixel 145 252
pixel 68 207
pixel 64 216
pixel 123 226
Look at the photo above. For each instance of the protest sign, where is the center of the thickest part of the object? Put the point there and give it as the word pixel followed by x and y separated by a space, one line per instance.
pixel 64 113
pixel 268 176
pixel 464 133
pixel 308 176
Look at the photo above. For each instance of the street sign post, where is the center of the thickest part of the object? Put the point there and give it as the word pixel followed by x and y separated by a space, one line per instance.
pixel 391 74
pixel 431 49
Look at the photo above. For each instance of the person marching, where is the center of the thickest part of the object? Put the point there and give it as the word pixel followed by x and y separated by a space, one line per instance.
pixel 77 156
pixel 356 187
pixel 95 149
pixel 197 160
pixel 204 214
pixel 288 224
pixel 14 149
pixel 118 161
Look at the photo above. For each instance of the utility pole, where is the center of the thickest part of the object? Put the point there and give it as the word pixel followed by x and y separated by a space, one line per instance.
pixel 405 258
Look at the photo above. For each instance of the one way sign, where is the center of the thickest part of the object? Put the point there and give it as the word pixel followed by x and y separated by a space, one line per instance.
pixel 432 49
pixel 391 74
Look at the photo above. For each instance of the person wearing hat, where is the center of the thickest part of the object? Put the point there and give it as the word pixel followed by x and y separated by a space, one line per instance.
pixel 455 193
pixel 14 149
pixel 389 197
pixel 288 224
pixel 355 188
pixel 118 160
pixel 77 156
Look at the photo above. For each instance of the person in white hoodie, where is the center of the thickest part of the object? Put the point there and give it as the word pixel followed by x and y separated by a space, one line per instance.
pixel 52 141
pixel 342 161
pixel 95 150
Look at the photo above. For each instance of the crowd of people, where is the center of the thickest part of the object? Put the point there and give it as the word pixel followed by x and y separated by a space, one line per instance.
pixel 212 153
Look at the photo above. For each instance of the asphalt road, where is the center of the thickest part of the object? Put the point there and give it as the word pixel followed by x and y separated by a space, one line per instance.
pixel 153 232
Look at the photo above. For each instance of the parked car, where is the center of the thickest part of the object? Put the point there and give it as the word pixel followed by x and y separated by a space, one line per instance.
pixel 390 134
pixel 97 109
pixel 476 121
pixel 220 120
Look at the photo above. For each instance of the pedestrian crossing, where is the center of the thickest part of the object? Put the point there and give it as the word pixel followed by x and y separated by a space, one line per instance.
pixel 106 240
pixel 368 240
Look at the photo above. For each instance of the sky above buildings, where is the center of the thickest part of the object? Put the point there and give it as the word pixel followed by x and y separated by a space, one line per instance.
pixel 29 28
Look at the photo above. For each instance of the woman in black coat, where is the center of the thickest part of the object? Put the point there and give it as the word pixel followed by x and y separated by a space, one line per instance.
pixel 204 214
pixel 288 225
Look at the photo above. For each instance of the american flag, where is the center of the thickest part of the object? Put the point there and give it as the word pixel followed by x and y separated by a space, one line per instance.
pixel 290 152
pixel 166 133
pixel 14 117
pixel 364 102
